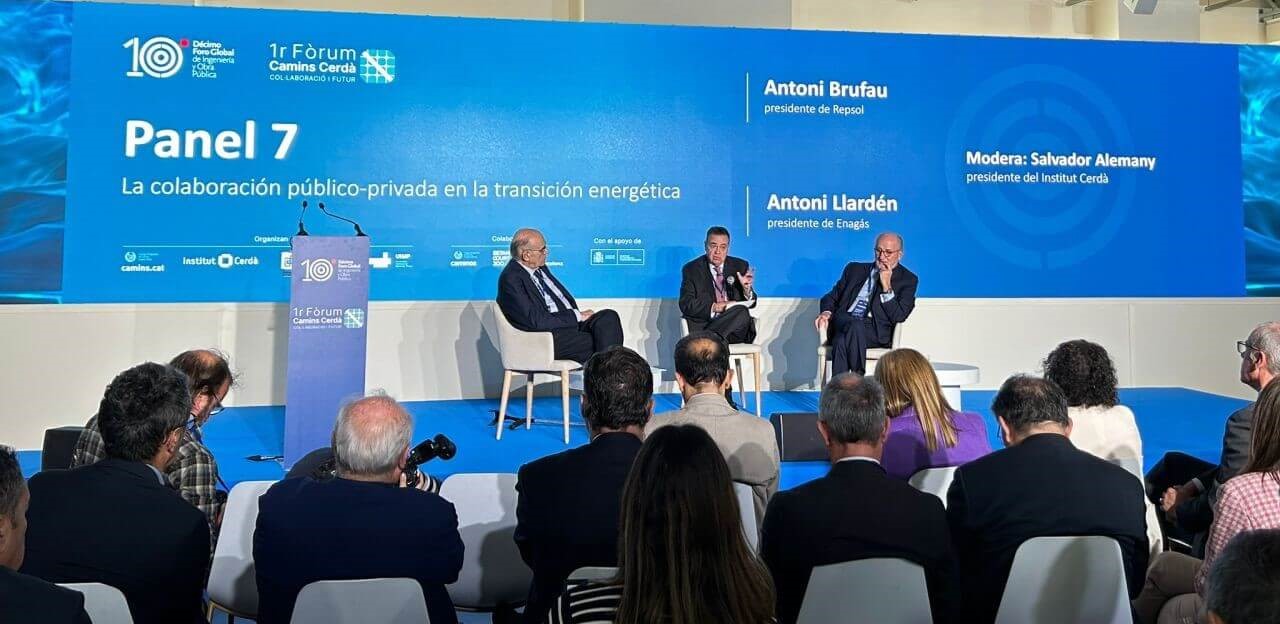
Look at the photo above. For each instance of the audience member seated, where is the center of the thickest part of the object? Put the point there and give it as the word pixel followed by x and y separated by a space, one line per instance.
pixel 118 521
pixel 924 430
pixel 361 524
pixel 1040 485
pixel 682 557
pixel 1247 502
pixel 1186 487
pixel 856 511
pixel 1100 426
pixel 1244 585
pixel 194 471
pixel 26 599
pixel 567 513
pixel 746 440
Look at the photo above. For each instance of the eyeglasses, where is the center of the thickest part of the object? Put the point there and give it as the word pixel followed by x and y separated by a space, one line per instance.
pixel 1243 347
pixel 541 250
pixel 886 252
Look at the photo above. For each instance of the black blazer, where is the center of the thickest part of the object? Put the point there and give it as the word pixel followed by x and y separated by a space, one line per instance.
pixel 29 600
pixel 567 514
pixel 1043 486
pixel 885 314
pixel 1197 513
pixel 339 529
pixel 523 305
pixel 857 512
pixel 112 522
pixel 697 292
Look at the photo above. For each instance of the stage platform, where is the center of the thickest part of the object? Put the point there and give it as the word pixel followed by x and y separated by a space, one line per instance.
pixel 1168 418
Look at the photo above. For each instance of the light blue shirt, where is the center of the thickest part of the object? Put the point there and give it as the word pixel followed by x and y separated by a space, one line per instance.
pixel 865 293
pixel 546 296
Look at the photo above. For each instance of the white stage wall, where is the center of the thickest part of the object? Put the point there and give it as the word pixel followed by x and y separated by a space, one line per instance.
pixel 57 359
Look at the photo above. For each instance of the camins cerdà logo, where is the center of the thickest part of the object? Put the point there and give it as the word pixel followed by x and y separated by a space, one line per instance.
pixel 157 57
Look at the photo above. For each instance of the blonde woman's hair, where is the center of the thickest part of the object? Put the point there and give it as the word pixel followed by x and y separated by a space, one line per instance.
pixel 909 381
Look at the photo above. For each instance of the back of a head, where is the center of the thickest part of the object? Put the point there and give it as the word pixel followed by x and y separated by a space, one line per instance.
pixel 371 436
pixel 681 554
pixel 702 357
pixel 1266 338
pixel 617 389
pixel 207 370
pixel 852 406
pixel 1244 583
pixel 1084 372
pixel 1264 443
pixel 1024 401
pixel 139 408
pixel 909 380
pixel 12 517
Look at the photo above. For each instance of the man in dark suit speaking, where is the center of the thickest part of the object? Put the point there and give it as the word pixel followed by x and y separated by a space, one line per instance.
pixel 535 301
pixel 863 308
pixel 711 284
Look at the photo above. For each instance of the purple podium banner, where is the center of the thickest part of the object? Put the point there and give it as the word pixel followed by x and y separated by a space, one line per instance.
pixel 328 305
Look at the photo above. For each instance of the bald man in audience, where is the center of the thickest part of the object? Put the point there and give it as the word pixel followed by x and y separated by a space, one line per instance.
pixel 533 300
pixel 363 524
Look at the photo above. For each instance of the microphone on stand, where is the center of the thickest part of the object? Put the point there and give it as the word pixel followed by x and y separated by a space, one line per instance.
pixel 302 231
pixel 359 232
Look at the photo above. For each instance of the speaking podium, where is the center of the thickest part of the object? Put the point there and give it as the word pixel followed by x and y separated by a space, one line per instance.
pixel 328 306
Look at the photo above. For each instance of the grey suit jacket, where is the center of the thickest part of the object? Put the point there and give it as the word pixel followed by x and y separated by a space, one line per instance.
pixel 746 441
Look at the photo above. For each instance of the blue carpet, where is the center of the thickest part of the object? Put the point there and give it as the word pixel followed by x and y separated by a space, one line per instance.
pixel 1168 419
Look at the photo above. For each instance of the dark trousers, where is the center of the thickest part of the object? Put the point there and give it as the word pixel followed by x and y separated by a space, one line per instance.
pixel 735 326
pixel 850 339
pixel 601 331
pixel 1194 516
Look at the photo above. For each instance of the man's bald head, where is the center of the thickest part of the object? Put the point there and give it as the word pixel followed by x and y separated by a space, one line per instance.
pixel 529 246
pixel 888 250
pixel 371 436
pixel 702 357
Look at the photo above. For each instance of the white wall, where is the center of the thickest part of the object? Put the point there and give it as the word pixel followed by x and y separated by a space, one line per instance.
pixel 57 359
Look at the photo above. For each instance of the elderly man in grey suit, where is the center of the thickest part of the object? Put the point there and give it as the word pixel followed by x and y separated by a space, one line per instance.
pixel 747 441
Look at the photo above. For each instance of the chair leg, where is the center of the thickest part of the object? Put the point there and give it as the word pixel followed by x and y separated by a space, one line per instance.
pixel 755 361
pixel 502 405
pixel 528 402
pixel 742 383
pixel 564 399
pixel 822 371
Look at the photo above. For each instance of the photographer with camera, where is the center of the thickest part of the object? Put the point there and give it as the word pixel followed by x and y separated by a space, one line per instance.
pixel 362 523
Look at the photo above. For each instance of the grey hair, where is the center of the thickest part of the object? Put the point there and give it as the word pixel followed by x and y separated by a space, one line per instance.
pixel 520 239
pixel 371 435
pixel 901 243
pixel 1244 582
pixel 853 408
pixel 1266 338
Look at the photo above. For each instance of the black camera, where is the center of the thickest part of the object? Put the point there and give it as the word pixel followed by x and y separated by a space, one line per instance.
pixel 439 446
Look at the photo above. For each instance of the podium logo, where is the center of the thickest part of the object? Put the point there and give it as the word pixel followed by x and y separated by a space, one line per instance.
pixel 317 270
pixel 158 57
pixel 377 66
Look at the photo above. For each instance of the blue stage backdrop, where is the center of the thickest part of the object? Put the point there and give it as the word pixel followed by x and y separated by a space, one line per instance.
pixel 1013 167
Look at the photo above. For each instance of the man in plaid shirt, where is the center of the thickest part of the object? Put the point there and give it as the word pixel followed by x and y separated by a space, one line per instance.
pixel 193 471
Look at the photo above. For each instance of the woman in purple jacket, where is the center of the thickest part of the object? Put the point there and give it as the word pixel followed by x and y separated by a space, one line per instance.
pixel 924 430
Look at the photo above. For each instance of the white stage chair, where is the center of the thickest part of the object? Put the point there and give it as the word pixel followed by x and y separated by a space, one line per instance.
pixel 737 354
pixel 873 354
pixel 233 587
pixel 934 481
pixel 747 511
pixel 529 353
pixel 362 601
pixel 104 603
pixel 493 574
pixel 592 574
pixel 1065 580
pixel 884 591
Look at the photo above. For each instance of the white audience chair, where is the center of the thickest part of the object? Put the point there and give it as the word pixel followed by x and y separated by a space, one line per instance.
pixel 873 354
pixel 592 574
pixel 493 573
pixel 747 511
pixel 1066 580
pixel 934 481
pixel 104 603
pixel 527 354
pixel 233 586
pixel 363 601
pixel 884 591
pixel 737 354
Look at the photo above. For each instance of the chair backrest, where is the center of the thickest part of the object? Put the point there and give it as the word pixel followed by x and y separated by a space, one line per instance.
pixel 104 603
pixel 493 573
pixel 367 601
pixel 898 331
pixel 747 511
pixel 1064 580
pixel 934 481
pixel 521 350
pixel 1131 464
pixel 590 574
pixel 884 591
pixel 232 577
